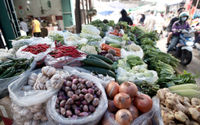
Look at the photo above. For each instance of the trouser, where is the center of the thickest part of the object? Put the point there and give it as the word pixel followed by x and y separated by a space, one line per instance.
pixel 173 43
pixel 36 34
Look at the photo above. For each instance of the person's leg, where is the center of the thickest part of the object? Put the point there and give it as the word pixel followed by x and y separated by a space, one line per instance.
pixel 35 34
pixel 169 37
pixel 173 43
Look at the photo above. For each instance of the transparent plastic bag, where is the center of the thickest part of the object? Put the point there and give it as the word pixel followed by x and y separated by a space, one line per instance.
pixel 73 39
pixel 153 117
pixel 29 98
pixel 62 61
pixel 55 118
pixel 4 83
pixel 148 76
pixel 125 53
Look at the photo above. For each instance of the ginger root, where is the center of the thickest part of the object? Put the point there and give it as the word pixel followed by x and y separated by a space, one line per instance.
pixel 195 114
pixel 180 116
pixel 195 101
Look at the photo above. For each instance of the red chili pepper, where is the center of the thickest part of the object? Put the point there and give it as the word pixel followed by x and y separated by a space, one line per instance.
pixel 65 51
pixel 36 49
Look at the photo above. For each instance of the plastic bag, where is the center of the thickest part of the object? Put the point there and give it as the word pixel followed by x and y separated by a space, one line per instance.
pixel 29 55
pixel 19 43
pixel 62 61
pixel 153 117
pixel 125 53
pixel 113 39
pixel 73 39
pixel 29 98
pixel 148 76
pixel 4 83
pixel 40 40
pixel 93 119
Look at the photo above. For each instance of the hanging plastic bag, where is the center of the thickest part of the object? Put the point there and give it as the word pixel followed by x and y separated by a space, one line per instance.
pixel 153 117
pixel 93 119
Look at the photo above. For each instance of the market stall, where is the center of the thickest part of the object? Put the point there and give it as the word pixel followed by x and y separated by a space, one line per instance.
pixel 109 74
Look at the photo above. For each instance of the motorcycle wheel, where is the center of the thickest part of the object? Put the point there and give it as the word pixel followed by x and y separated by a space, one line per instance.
pixel 186 57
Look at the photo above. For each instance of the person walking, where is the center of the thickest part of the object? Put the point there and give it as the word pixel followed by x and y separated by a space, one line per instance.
pixel 125 17
pixel 23 25
pixel 36 28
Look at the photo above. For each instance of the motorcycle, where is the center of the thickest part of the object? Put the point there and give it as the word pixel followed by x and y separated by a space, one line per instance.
pixel 184 48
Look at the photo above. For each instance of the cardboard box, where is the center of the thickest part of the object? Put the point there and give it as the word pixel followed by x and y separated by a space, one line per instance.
pixel 5 107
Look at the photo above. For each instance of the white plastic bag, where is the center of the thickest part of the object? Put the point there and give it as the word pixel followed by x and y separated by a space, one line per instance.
pixel 29 55
pixel 73 39
pixel 55 118
pixel 29 98
pixel 125 53
pixel 62 61
pixel 137 76
pixel 40 40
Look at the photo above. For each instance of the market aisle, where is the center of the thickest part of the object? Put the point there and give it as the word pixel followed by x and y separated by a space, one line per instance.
pixel 193 67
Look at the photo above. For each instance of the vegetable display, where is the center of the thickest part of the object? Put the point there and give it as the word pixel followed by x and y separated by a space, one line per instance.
pixel 177 109
pixel 13 67
pixel 36 49
pixel 78 97
pixel 125 61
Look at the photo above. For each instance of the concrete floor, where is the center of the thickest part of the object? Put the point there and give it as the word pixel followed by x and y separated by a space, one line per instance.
pixel 193 67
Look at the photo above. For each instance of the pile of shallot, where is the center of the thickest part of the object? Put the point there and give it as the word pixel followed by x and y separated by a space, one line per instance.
pixel 78 97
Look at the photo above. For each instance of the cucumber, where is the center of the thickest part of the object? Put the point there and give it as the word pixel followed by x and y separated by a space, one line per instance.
pixel 102 58
pixel 10 73
pixel 97 63
pixel 98 70
pixel 7 72
pixel 115 45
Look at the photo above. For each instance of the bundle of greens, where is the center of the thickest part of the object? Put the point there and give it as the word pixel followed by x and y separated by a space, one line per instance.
pixel 134 61
pixel 57 37
pixel 101 26
pixel 161 62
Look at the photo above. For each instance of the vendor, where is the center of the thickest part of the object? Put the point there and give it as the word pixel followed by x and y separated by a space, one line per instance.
pixel 125 17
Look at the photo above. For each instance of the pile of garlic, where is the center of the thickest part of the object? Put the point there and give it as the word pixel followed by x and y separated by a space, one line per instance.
pixel 49 78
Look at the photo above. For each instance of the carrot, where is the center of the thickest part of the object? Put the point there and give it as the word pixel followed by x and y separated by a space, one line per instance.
pixel 107 47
